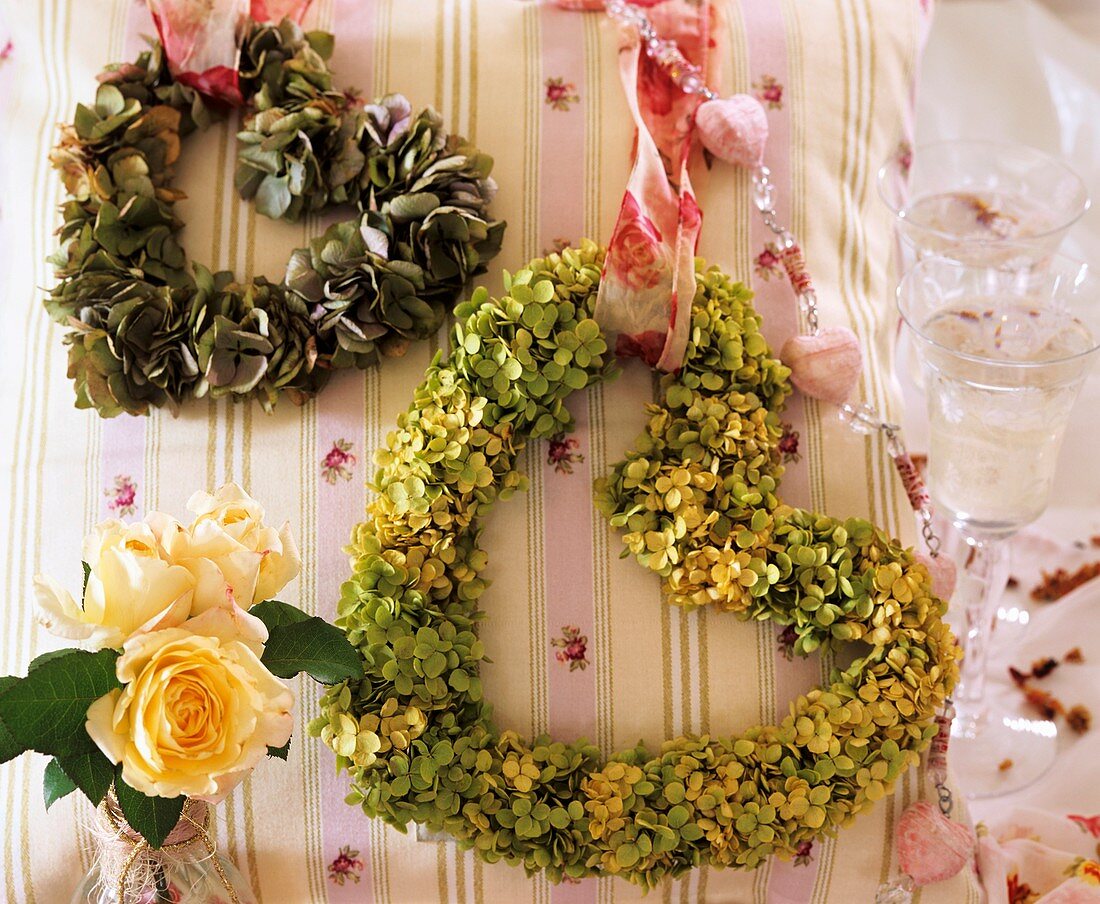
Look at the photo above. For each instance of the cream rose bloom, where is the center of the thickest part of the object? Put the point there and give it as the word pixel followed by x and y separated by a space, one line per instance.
pixel 232 554
pixel 131 588
pixel 198 711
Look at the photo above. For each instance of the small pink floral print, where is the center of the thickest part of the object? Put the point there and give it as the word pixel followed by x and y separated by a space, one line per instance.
pixel 769 92
pixel 6 51
pixel 563 454
pixel 804 853
pixel 1090 824
pixel 903 154
pixel 768 262
pixel 557 246
pixel 788 444
pixel 560 94
pixel 122 497
pixel 338 463
pixel 347 866
pixel 573 647
pixel 786 641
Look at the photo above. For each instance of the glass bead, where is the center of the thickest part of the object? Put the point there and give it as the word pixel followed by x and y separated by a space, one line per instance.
pixel 900 891
pixel 860 418
pixel 691 83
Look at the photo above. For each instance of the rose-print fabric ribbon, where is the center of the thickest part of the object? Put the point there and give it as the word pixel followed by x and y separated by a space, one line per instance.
pixel 201 39
pixel 649 276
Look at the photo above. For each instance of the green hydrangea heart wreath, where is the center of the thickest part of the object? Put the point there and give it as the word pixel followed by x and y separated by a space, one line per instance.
pixel 147 332
pixel 698 500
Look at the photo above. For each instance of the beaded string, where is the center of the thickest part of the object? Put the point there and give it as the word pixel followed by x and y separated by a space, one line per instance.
pixel 863 418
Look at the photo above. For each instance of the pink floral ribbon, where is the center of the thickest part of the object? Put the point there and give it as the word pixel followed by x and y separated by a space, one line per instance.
pixel 201 39
pixel 649 276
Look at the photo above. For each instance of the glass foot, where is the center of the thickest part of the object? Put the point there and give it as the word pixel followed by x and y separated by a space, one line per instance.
pixel 1001 752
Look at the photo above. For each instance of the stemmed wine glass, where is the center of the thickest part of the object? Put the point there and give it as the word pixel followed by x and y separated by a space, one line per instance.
pixel 1004 354
pixel 981 202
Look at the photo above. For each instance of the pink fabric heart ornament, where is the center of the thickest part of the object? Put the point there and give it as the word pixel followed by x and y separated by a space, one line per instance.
pixel 825 365
pixel 943 573
pixel 734 129
pixel 931 847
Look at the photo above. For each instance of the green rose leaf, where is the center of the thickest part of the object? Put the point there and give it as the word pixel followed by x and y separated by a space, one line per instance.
pixel 46 710
pixel 312 646
pixel 151 817
pixel 275 614
pixel 9 747
pixel 280 752
pixel 55 784
pixel 88 769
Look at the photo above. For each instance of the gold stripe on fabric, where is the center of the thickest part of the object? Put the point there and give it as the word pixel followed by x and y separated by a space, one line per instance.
pixel 846 238
pixel 441 871
pixel 59 91
pixel 868 51
pixel 792 27
pixel 219 200
pixel 372 399
pixel 386 60
pixel 224 257
pixel 460 873
pixel 457 63
pixel 703 672
pixel 826 850
pixel 311 758
pixel 311 815
pixel 35 408
pixel 479 879
pixel 666 666
pixel 859 248
pixel 439 51
pixel 686 623
pixel 741 201
pixel 471 124
pixel 91 513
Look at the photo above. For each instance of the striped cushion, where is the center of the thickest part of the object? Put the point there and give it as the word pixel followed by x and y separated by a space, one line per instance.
pixel 580 639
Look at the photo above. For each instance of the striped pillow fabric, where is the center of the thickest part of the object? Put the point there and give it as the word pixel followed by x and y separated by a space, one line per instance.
pixel 581 641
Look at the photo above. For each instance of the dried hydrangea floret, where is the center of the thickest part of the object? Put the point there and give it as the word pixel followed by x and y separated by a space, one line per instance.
pixel 697 503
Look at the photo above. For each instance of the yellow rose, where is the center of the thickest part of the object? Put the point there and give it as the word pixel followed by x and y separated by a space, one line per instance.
pixel 198 710
pixel 131 588
pixel 230 551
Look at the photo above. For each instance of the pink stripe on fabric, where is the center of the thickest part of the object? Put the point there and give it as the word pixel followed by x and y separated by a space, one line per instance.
pixel 340 506
pixel 767 47
pixel 139 26
pixel 122 438
pixel 122 462
pixel 341 413
pixel 567 498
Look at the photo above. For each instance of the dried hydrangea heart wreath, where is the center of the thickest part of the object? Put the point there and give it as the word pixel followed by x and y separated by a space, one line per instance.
pixel 698 501
pixel 147 332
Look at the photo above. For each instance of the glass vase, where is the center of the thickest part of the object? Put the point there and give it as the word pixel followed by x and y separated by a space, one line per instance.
pixel 186 869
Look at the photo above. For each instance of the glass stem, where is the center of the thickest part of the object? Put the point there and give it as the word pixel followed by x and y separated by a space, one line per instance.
pixel 985 577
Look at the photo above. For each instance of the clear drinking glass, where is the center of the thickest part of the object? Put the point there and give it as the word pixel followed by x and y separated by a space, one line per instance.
pixel 981 202
pixel 1004 354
